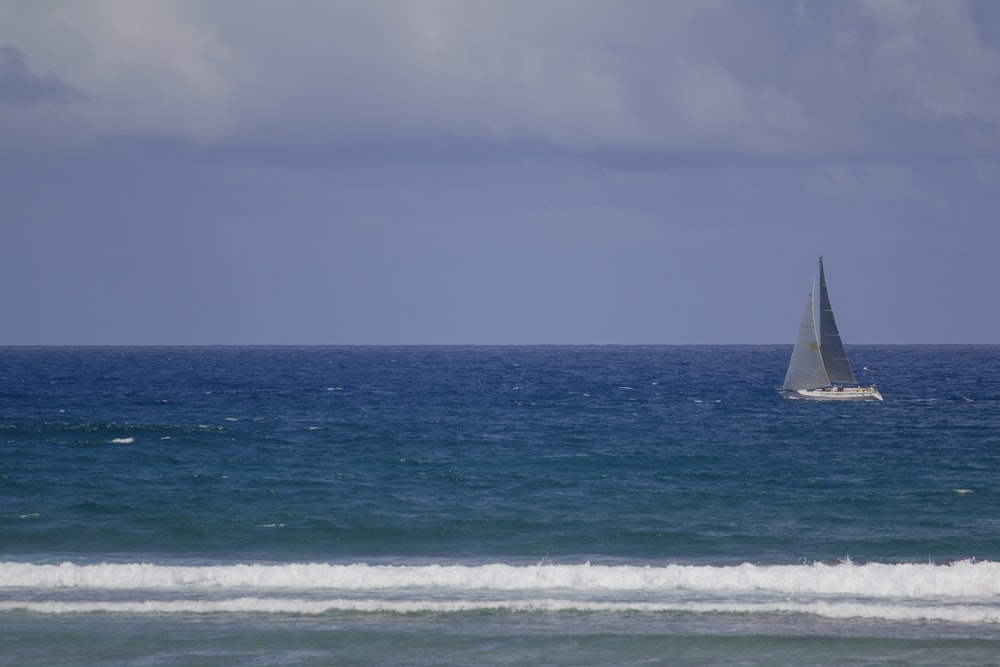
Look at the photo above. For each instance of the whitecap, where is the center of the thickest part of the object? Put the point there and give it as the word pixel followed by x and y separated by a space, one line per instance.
pixel 284 605
pixel 959 581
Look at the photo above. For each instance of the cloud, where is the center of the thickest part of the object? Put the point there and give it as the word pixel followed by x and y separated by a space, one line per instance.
pixel 20 85
pixel 932 56
pixel 137 68
pixel 776 80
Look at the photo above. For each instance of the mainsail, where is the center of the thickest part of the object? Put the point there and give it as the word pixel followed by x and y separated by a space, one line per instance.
pixel 806 369
pixel 838 368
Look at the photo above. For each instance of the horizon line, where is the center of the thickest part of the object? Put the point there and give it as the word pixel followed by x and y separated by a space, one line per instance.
pixel 783 344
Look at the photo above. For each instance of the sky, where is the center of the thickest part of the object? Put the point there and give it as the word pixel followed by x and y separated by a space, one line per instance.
pixel 497 172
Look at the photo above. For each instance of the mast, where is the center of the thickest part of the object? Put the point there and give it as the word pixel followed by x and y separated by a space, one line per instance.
pixel 838 368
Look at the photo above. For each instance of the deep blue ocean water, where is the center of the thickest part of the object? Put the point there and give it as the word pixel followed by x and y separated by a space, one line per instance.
pixel 495 506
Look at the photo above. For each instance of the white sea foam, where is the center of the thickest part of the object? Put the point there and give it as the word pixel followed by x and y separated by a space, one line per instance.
pixel 123 441
pixel 962 592
pixel 839 610
pixel 961 579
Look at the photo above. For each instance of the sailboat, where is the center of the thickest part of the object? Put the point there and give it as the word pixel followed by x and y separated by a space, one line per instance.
pixel 819 369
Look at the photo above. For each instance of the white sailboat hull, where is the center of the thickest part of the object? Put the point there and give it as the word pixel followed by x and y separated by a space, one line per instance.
pixel 838 393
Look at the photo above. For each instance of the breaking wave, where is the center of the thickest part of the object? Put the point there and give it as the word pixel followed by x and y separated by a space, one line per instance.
pixel 967 578
pixel 961 592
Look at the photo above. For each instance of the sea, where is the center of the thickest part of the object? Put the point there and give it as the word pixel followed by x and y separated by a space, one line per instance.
pixel 490 505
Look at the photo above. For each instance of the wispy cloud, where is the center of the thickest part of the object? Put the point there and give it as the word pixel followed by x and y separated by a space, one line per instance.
pixel 20 85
